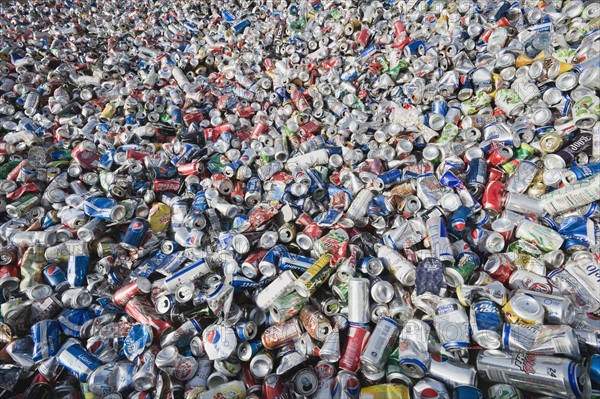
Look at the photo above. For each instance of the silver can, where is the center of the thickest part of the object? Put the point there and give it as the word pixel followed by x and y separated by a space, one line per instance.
pixel 538 374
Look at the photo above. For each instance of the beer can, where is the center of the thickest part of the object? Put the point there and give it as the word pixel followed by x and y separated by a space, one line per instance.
pixel 413 355
pixel 539 374
pixel 486 324
pixel 45 335
pixel 452 324
pixel 559 309
pixel 522 308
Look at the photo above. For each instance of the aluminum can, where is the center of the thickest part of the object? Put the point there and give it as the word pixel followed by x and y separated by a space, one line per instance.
pixel 77 270
pixel 45 335
pixel 522 308
pixel 414 358
pixel 357 340
pixel 452 324
pixel 358 301
pixel 278 335
pixel 136 231
pixel 314 276
pixel 139 286
pixel 486 324
pixel 559 309
pixel 452 372
pixel 504 391
pixel 380 345
pixel 539 374
pixel 541 339
pixel 77 360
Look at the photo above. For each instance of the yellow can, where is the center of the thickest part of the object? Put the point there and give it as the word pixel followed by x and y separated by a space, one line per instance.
pixel 159 216
pixel 385 391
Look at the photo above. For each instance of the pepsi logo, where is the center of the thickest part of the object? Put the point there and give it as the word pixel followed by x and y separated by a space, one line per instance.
pixel 213 336
pixel 137 226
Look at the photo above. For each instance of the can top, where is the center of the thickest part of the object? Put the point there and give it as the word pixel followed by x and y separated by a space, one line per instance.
pixel 526 308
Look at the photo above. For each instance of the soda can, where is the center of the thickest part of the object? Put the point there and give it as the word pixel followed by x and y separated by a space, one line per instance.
pixel 452 372
pixel 357 340
pixel 273 387
pixel 139 286
pixel 430 388
pixel 45 335
pixel 278 335
pixel 504 391
pixel 315 323
pixel 181 367
pixel 346 386
pixel 314 276
pixel 305 382
pixel 77 270
pixel 73 357
pixel 55 276
pixel 539 374
pixel 486 324
pixel 136 231
pixel 380 345
pixel 522 308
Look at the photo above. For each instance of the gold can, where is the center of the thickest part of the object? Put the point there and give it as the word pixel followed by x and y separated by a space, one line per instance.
pixel 524 309
pixel 159 216
pixel 551 142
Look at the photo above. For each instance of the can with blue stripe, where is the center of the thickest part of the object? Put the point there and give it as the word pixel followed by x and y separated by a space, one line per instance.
pixel 45 335
pixel 77 270
pixel 77 360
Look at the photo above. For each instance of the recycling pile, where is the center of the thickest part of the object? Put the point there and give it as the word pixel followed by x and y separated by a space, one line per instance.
pixel 313 199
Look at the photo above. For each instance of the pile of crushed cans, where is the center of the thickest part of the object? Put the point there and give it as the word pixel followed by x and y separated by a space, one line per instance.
pixel 272 199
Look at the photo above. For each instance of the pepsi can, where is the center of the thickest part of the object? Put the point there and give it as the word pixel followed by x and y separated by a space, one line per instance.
pixel 77 270
pixel 135 234
pixel 45 335
pixel 56 277
pixel 467 392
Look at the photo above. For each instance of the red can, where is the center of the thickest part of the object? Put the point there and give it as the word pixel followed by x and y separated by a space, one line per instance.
pixel 142 311
pixel 492 196
pixel 139 286
pixel 160 186
pixel 248 378
pixel 192 168
pixel 357 339
pixel 495 174
pixel 399 28
pixel 222 183
pixel 500 267
pixel 138 155
pixel 85 155
pixel 500 155
pixel 363 37
pixel 274 387
pixel 259 129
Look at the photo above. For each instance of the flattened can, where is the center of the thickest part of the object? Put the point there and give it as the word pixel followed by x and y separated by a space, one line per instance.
pixel 452 372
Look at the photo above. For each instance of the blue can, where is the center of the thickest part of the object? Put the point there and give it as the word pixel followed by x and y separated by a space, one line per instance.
pixel 55 277
pixel 414 48
pixel 476 176
pixel 386 179
pixel 439 106
pixel 77 270
pixel 72 321
pixel 46 336
pixel 467 392
pixel 135 234
pixel 486 324
pixel 380 206
pixel 295 262
pixel 77 360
